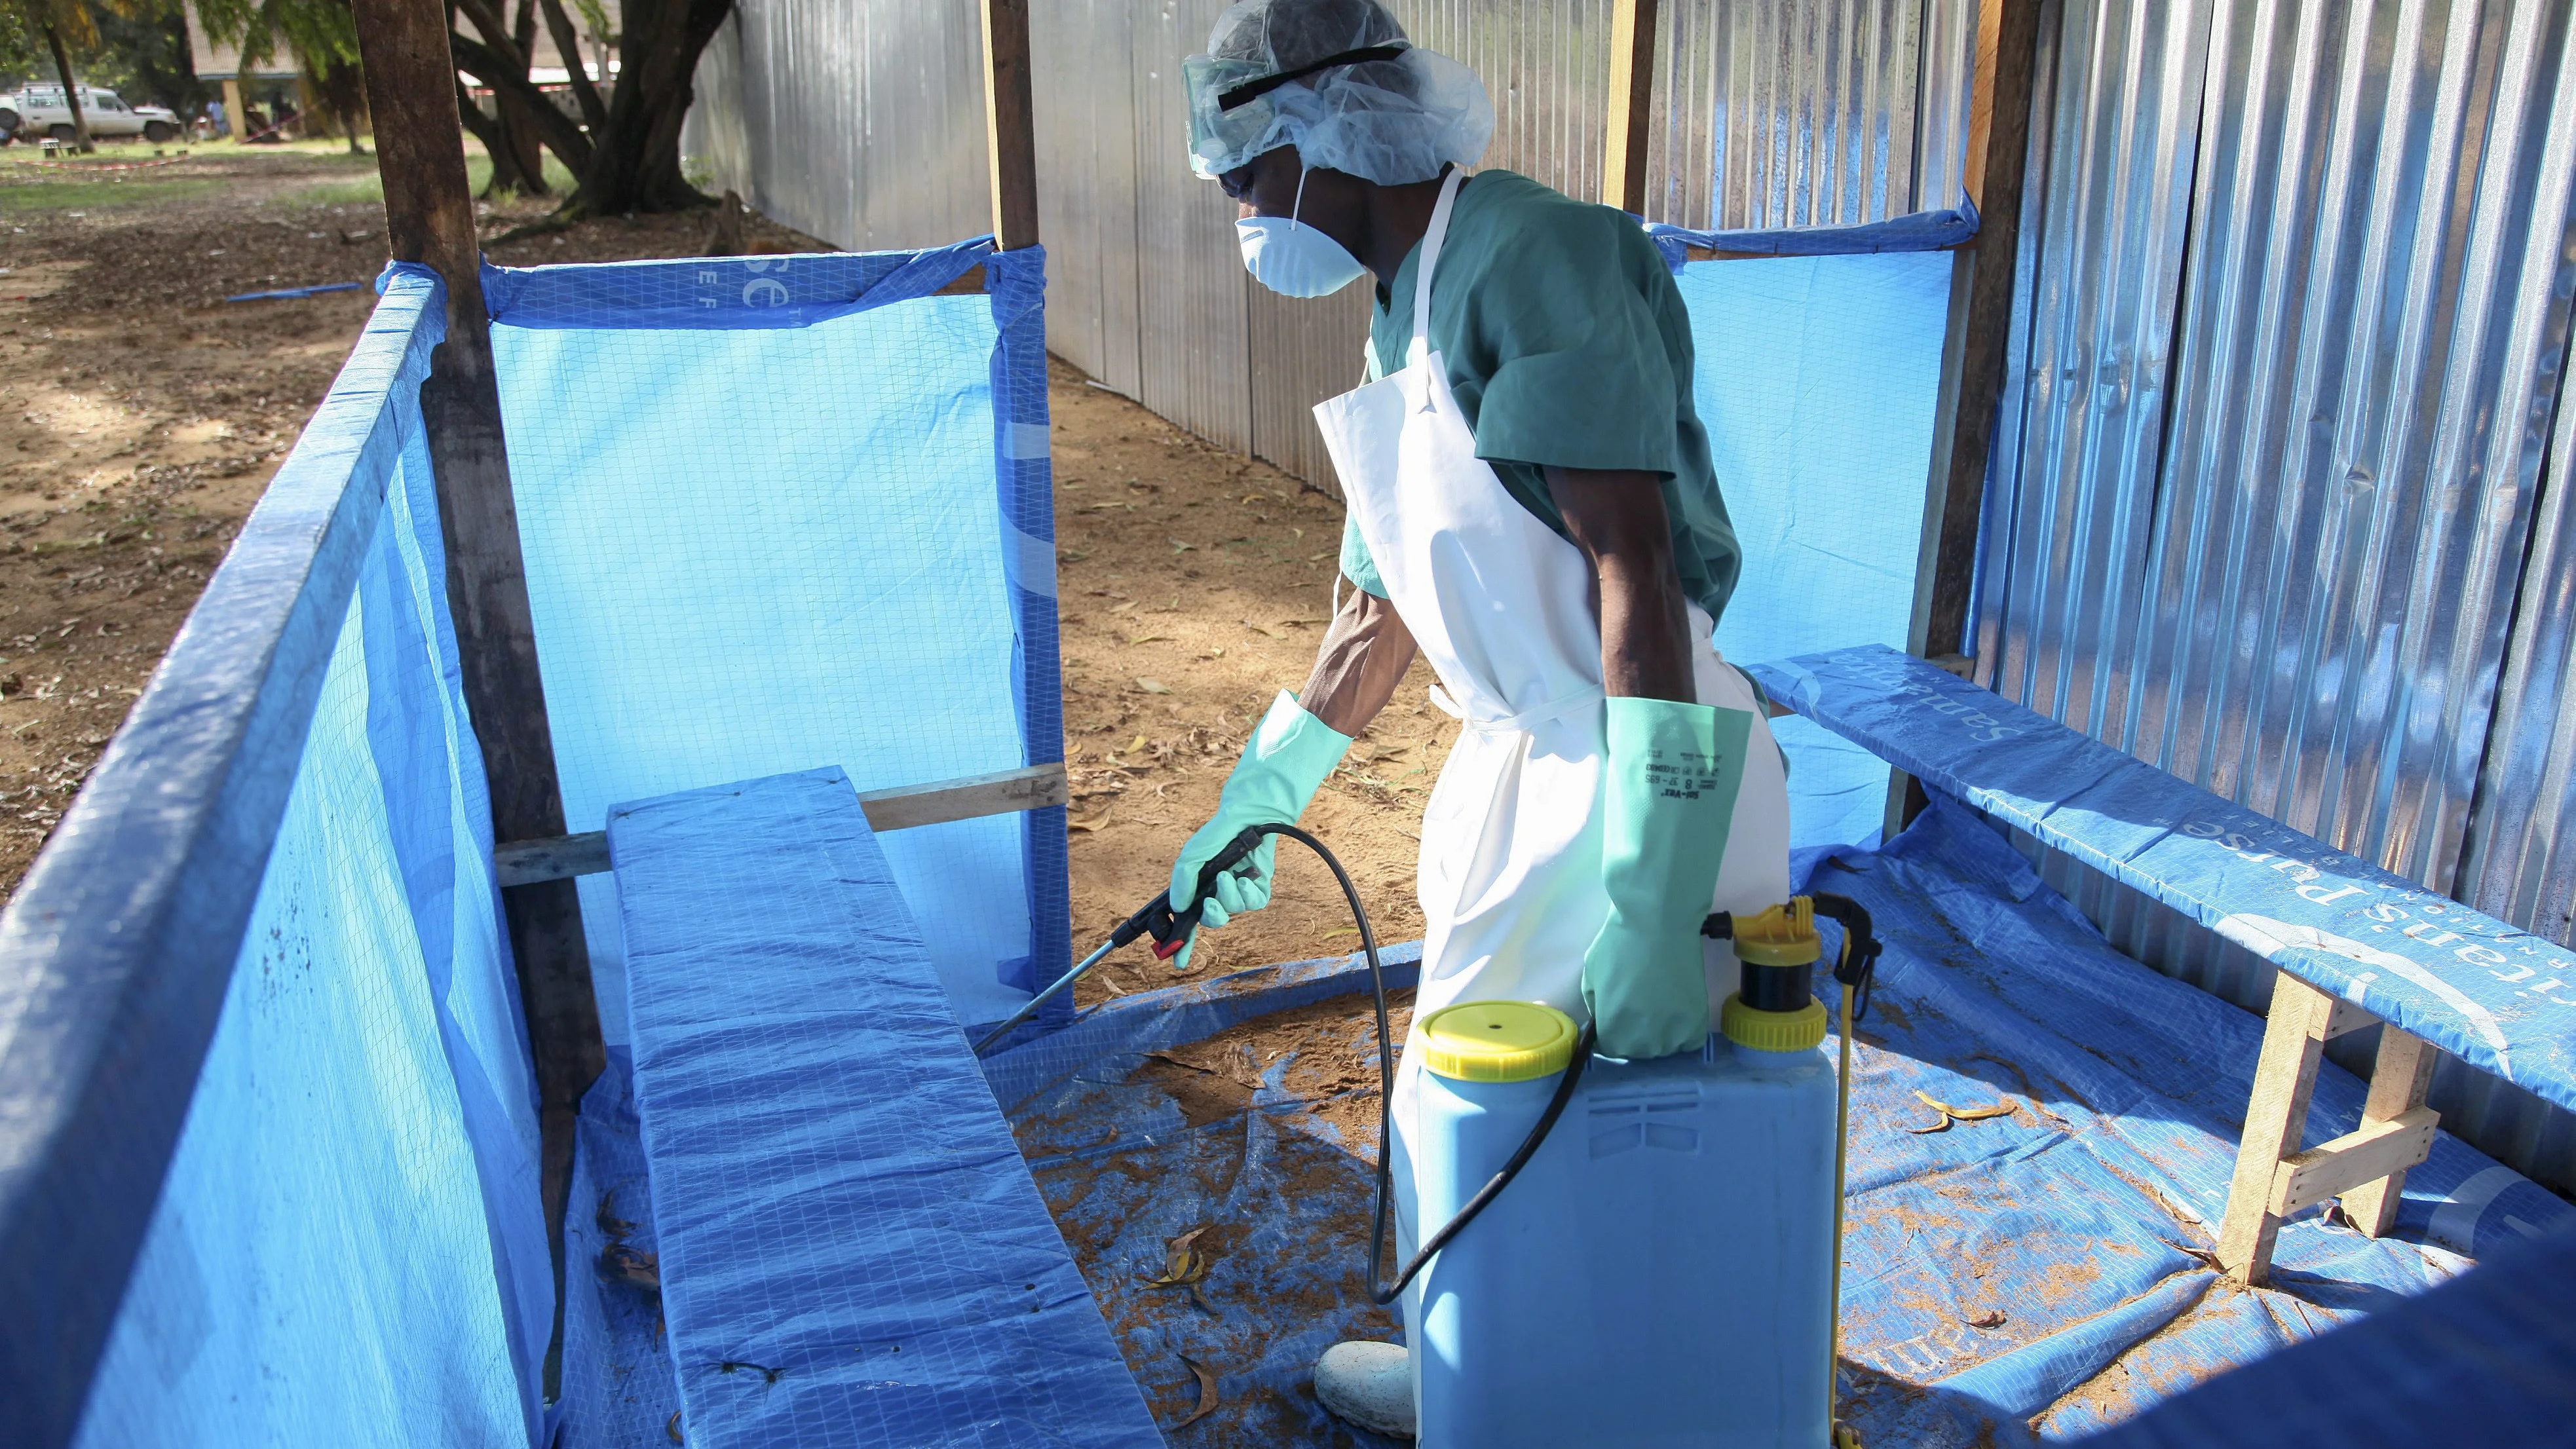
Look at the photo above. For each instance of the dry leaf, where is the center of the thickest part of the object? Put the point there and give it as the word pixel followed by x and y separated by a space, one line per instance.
pixel 1263 632
pixel 1149 639
pixel 1180 547
pixel 1207 1392
pixel 1991 1318
pixel 1965 1114
pixel 1096 822
pixel 1315 557
pixel 1153 686
pixel 1950 1114
pixel 1123 608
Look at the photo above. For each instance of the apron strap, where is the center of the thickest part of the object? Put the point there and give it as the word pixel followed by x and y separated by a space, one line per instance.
pixel 1431 240
pixel 1515 724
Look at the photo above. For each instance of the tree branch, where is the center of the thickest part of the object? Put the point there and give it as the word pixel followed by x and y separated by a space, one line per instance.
pixel 553 127
pixel 594 112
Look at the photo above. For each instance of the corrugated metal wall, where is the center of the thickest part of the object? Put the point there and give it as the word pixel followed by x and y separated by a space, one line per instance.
pixel 861 123
pixel 2294 323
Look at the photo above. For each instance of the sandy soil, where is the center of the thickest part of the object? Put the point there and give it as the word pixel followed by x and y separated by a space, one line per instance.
pixel 141 417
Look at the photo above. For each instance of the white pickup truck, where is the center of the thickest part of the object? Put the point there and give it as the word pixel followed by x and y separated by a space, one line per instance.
pixel 41 112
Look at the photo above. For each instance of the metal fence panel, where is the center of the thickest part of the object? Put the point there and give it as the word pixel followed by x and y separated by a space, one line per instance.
pixel 2288 356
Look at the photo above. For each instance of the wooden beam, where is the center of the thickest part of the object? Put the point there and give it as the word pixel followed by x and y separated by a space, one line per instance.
pixel 1035 787
pixel 1981 321
pixel 2373 1152
pixel 2276 1116
pixel 1632 87
pixel 2398 1082
pixel 1010 123
pixel 429 218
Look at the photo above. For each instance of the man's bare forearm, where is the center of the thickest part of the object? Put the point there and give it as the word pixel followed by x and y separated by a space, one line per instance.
pixel 1364 656
pixel 1617 519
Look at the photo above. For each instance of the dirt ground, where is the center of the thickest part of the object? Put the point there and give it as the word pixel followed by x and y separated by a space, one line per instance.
pixel 141 417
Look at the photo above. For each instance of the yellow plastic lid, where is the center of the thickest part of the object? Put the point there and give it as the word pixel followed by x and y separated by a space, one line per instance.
pixel 1496 1041
pixel 1779 936
pixel 1772 1031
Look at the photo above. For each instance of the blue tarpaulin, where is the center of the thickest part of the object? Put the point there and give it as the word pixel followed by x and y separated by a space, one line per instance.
pixel 2500 999
pixel 755 494
pixel 348 1247
pixel 850 1251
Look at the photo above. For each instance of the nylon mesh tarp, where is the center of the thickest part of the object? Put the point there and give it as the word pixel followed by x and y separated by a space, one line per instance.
pixel 348 1249
pixel 781 510
pixel 1818 379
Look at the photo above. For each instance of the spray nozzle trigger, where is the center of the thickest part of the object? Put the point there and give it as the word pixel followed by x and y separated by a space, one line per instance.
pixel 1170 928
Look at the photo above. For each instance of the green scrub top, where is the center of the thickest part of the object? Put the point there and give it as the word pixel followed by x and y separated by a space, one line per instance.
pixel 1567 343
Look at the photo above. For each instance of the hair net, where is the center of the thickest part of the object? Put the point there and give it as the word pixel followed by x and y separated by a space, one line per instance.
pixel 1394 115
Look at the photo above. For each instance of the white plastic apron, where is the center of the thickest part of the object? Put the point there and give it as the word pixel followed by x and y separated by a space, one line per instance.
pixel 1510 873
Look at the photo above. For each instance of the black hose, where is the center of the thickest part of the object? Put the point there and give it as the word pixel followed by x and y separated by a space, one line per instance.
pixel 1520 1157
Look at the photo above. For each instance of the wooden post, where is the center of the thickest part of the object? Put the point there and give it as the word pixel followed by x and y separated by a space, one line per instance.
pixel 1972 356
pixel 429 217
pixel 1010 123
pixel 2398 1082
pixel 1972 373
pixel 1632 93
pixel 2366 1167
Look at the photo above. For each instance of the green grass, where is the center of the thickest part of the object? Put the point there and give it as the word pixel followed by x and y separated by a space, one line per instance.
pixel 71 191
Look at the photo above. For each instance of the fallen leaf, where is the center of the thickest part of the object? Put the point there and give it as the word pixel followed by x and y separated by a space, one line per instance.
pixel 1950 1114
pixel 1096 822
pixel 1123 608
pixel 1180 547
pixel 1132 746
pixel 1965 1114
pixel 1153 686
pixel 1149 639
pixel 1315 557
pixel 1342 931
pixel 1207 1392
pixel 1252 497
pixel 1216 653
pixel 1263 632
pixel 1991 1318
pixel 1176 1254
pixel 673 1428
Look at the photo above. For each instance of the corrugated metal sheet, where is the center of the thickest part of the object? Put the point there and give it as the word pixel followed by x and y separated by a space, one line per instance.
pixel 2293 332
pixel 1087 201
pixel 859 124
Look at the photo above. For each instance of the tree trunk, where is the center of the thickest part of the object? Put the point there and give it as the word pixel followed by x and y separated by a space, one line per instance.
pixel 525 171
pixel 71 93
pixel 635 158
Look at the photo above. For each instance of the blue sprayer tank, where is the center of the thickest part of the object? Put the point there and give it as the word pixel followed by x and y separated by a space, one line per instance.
pixel 1660 1273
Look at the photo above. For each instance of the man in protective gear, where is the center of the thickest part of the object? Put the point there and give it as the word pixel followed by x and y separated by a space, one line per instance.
pixel 1532 508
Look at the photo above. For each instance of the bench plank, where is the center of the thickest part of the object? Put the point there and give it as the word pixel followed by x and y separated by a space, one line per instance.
pixel 852 1250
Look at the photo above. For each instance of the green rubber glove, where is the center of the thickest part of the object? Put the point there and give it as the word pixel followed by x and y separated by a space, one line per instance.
pixel 1670 779
pixel 1289 757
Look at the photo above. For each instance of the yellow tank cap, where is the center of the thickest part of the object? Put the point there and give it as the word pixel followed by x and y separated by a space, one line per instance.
pixel 1772 1031
pixel 1496 1041
pixel 1779 936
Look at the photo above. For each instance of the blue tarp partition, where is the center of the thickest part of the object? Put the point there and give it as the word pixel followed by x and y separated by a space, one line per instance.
pixel 781 510
pixel 1818 379
pixel 268 1134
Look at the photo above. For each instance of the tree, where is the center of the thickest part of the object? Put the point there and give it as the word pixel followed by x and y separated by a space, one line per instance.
pixel 625 149
pixel 53 21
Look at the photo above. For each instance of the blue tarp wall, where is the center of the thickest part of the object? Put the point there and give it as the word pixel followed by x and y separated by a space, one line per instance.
pixel 287 849
pixel 789 511
pixel 1818 379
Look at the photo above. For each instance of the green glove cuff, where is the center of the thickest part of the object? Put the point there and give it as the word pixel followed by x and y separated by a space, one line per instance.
pixel 1669 781
pixel 1289 757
